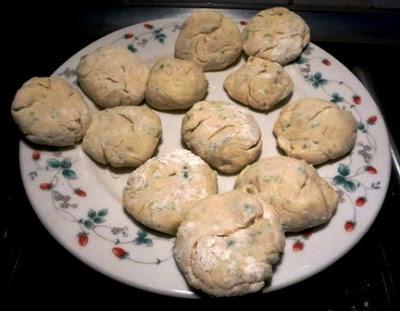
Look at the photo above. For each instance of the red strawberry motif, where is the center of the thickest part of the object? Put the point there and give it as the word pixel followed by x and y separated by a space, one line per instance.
pixel 360 201
pixel 244 23
pixel 129 35
pixel 36 155
pixel 356 99
pixel 45 186
pixel 83 238
pixel 372 120
pixel 80 192
pixel 326 62
pixel 349 226
pixel 119 252
pixel 371 169
pixel 148 26
pixel 307 233
pixel 298 246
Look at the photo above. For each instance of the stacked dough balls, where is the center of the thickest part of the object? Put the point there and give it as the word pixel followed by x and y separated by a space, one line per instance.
pixel 226 244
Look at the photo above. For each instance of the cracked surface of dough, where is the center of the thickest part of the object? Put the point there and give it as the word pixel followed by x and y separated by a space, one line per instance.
pixel 276 34
pixel 49 111
pixel 161 191
pixel 224 135
pixel 228 243
pixel 113 76
pixel 315 130
pixel 123 136
pixel 210 40
pixel 294 190
pixel 175 84
pixel 259 83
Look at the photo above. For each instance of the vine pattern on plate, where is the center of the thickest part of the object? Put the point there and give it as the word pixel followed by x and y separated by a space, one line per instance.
pixel 58 169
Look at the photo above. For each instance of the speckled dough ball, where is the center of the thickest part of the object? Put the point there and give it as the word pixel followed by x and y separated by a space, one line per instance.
pixel 228 244
pixel 210 40
pixel 161 191
pixel 175 84
pixel 276 34
pixel 123 136
pixel 49 111
pixel 294 190
pixel 224 135
pixel 259 83
pixel 113 76
pixel 315 130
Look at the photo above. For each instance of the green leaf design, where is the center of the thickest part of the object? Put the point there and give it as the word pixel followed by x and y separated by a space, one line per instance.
pixel 132 48
pixel 66 163
pixel 98 220
pixel 349 186
pixel 361 126
pixel 53 163
pixel 141 238
pixel 338 180
pixel 336 98
pixel 103 212
pixel 88 224
pixel 69 174
pixel 301 60
pixel 91 213
pixel 343 169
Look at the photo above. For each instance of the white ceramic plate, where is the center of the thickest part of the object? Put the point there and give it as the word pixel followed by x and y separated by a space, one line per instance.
pixel 79 202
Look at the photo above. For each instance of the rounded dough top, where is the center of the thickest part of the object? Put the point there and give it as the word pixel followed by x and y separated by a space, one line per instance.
pixel 276 34
pixel 293 188
pixel 315 130
pixel 49 111
pixel 123 136
pixel 175 84
pixel 113 76
pixel 228 243
pixel 161 191
pixel 210 40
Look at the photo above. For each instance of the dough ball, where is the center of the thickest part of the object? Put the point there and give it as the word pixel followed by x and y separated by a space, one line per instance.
pixel 228 243
pixel 113 76
pixel 161 191
pixel 276 34
pixel 315 130
pixel 259 83
pixel 123 136
pixel 175 84
pixel 210 40
pixel 224 135
pixel 49 111
pixel 294 190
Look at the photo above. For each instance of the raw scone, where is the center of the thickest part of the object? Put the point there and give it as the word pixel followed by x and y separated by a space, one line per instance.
pixel 113 76
pixel 175 84
pixel 224 135
pixel 293 188
pixel 276 34
pixel 161 191
pixel 228 243
pixel 49 111
pixel 210 40
pixel 315 130
pixel 123 136
pixel 259 83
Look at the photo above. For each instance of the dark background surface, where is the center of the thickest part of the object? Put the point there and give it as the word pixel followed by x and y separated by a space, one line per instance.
pixel 39 39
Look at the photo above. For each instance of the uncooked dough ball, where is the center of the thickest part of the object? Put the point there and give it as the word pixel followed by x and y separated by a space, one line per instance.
pixel 113 76
pixel 228 244
pixel 210 40
pixel 224 135
pixel 276 34
pixel 49 111
pixel 259 83
pixel 175 84
pixel 293 188
pixel 123 136
pixel 161 191
pixel 315 130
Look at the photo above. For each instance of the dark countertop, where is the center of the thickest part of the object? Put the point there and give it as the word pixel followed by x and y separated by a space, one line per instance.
pixel 39 40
